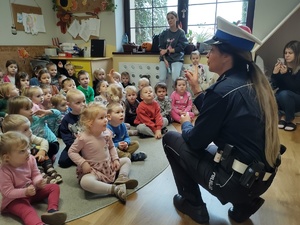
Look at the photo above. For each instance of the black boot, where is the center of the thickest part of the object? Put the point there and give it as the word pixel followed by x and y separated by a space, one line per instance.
pixel 197 213
pixel 242 212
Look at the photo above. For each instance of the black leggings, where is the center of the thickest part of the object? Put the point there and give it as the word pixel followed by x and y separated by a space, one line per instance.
pixel 191 168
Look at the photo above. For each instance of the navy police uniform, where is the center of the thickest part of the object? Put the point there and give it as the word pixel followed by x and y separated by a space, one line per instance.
pixel 229 114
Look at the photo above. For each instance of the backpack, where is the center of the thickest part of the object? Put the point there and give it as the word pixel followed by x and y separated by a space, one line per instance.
pixel 155 43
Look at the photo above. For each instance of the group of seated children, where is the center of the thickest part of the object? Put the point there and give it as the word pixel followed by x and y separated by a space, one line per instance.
pixel 87 119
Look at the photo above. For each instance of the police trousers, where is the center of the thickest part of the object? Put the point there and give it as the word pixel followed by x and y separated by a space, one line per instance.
pixel 191 168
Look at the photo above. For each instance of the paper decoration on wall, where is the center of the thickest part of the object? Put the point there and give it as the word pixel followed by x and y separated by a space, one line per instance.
pixel 85 28
pixel 33 23
pixel 64 20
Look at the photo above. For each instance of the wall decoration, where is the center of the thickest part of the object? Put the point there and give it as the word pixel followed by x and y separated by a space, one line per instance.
pixel 83 6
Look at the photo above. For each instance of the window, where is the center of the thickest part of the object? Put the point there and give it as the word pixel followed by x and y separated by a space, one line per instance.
pixel 144 18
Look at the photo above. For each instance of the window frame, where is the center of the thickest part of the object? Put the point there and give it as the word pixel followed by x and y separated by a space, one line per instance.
pixel 184 21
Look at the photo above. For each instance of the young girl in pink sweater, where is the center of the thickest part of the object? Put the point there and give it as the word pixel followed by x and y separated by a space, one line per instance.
pixel 96 157
pixel 181 100
pixel 21 183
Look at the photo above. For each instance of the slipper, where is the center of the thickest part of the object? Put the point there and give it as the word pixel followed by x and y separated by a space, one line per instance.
pixel 281 124
pixel 290 126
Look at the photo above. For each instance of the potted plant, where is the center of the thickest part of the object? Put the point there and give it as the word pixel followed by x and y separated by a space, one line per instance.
pixel 190 35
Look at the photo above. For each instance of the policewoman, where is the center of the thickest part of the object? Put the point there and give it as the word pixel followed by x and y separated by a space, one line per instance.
pixel 233 149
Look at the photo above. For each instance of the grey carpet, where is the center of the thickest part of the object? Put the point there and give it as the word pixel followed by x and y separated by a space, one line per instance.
pixel 78 203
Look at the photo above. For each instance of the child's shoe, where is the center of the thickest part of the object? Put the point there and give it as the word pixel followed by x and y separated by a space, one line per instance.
pixel 164 130
pixel 120 192
pixel 133 132
pixel 54 217
pixel 139 156
pixel 130 183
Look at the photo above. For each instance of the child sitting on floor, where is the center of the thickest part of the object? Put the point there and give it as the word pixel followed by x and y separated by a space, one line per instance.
pixel 38 146
pixel 84 79
pixel 98 162
pixel 163 100
pixel 21 183
pixel 7 91
pixel 181 100
pixel 125 147
pixel 99 75
pixel 69 127
pixel 101 92
pixel 149 120
pixel 131 104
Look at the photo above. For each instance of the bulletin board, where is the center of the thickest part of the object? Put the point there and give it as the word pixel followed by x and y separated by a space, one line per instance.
pixel 83 6
pixel 23 9
pixel 83 18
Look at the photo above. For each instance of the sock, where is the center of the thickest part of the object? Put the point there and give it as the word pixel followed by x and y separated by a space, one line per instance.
pixel 52 210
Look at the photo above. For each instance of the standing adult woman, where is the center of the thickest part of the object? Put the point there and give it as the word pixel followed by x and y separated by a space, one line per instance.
pixel 286 77
pixel 172 43
pixel 238 114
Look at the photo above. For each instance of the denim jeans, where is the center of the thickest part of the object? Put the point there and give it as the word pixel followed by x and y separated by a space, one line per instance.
pixel 175 67
pixel 289 103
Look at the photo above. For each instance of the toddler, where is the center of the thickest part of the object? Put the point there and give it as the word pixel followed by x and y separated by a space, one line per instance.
pixel 69 127
pixel 66 85
pixel 45 78
pixel 125 147
pixel 34 80
pixel 181 100
pixel 58 102
pixel 47 91
pixel 39 126
pixel 84 79
pixel 22 81
pixel 101 91
pixel 99 75
pixel 61 78
pixel 205 78
pixel 125 78
pixel 96 158
pixel 163 100
pixel 143 82
pixel 36 95
pixel 131 104
pixel 52 69
pixel 7 91
pixel 38 146
pixel 12 69
pixel 149 120
pixel 21 183
pixel 71 73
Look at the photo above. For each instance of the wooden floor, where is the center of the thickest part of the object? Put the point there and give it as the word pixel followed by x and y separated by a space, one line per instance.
pixel 152 205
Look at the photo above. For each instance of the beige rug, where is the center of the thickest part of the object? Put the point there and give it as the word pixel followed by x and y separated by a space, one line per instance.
pixel 78 203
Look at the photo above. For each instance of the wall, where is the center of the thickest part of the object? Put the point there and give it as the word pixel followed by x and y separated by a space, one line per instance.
pixel 7 38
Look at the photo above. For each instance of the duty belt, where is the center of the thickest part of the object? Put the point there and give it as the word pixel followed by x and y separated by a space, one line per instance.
pixel 241 168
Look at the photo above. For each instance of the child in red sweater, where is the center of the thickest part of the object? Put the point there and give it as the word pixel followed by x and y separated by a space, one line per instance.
pixel 149 120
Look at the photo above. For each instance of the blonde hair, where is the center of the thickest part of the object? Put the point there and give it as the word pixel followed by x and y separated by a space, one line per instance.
pixel 57 99
pixel 264 96
pixel 130 89
pixel 12 122
pixel 17 103
pixel 116 74
pixel 195 53
pixel 73 93
pixel 96 72
pixel 144 79
pixel 30 91
pixel 69 64
pixel 12 140
pixel 111 106
pixel 115 93
pixel 89 113
pixel 5 89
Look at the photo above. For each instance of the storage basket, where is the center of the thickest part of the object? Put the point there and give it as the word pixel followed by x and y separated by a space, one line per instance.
pixel 129 48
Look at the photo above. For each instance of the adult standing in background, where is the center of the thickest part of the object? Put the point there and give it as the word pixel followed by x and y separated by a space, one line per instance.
pixel 239 115
pixel 286 78
pixel 172 43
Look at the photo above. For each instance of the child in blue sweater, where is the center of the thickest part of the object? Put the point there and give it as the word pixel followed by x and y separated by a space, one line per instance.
pixel 125 147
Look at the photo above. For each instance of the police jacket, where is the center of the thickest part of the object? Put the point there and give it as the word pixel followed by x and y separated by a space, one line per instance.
pixel 229 114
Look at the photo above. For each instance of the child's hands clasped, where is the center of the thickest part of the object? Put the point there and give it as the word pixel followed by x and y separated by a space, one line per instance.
pixel 41 184
pixel 116 164
pixel 86 168
pixel 123 145
pixel 30 190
